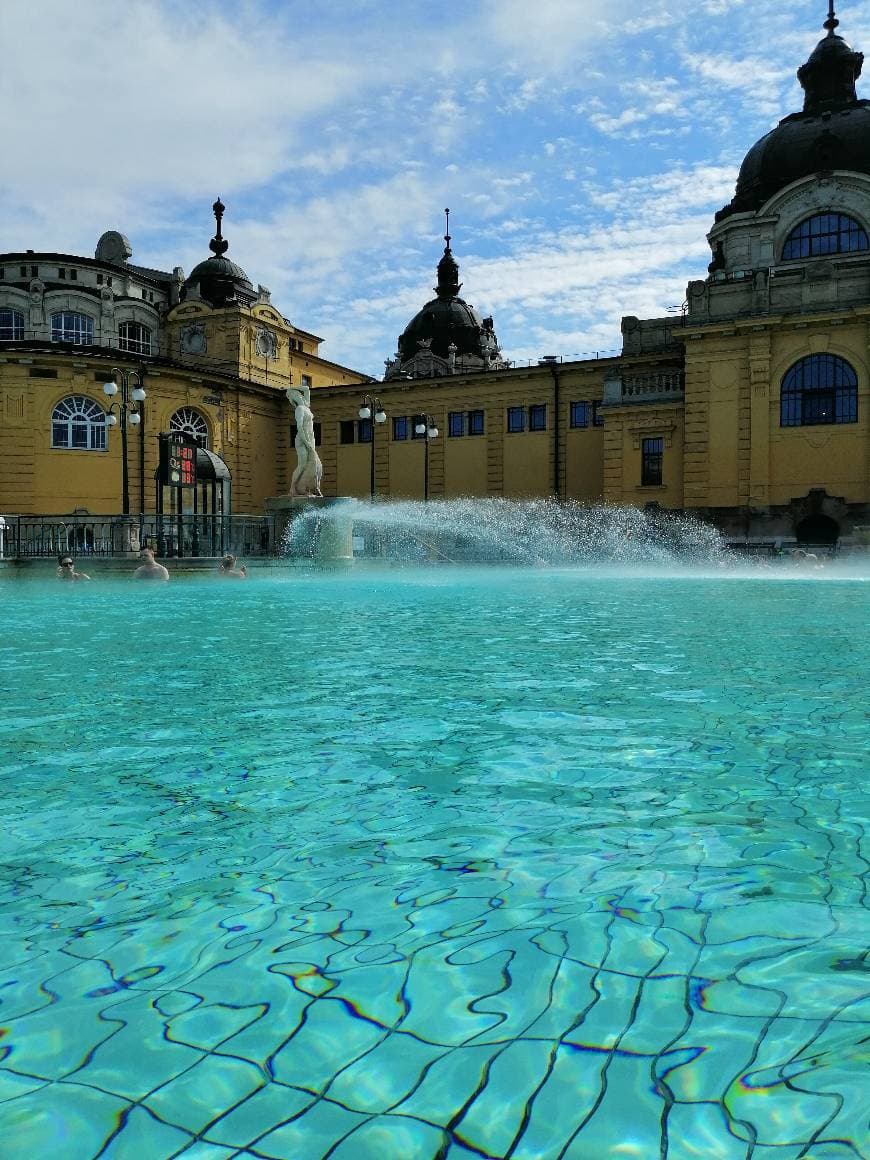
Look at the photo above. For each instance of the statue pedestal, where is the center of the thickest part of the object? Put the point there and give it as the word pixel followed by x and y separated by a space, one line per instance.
pixel 332 525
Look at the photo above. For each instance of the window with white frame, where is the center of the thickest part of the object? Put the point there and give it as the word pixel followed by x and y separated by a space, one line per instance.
pixel 78 424
pixel 11 326
pixel 191 423
pixel 135 337
pixel 69 326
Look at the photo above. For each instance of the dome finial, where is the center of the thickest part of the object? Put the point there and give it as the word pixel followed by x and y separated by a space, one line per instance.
pixel 447 234
pixel 218 244
pixel 448 269
pixel 832 21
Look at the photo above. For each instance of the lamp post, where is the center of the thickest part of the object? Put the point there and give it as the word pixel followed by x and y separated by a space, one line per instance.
pixel 424 426
pixel 371 409
pixel 127 413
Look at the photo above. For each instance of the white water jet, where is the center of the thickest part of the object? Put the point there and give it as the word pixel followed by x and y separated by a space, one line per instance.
pixel 503 531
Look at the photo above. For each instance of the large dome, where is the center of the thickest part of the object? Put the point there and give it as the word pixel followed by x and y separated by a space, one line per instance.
pixel 447 335
pixel 832 131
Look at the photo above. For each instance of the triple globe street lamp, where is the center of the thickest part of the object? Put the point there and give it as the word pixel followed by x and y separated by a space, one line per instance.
pixel 129 383
pixel 424 428
pixel 371 409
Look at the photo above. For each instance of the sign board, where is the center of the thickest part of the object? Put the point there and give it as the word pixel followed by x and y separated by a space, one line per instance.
pixel 177 461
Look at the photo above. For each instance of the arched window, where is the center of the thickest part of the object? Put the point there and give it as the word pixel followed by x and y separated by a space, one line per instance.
pixel 11 326
pixel 821 388
pixel 135 337
pixel 71 327
pixel 191 423
pixel 79 423
pixel 825 233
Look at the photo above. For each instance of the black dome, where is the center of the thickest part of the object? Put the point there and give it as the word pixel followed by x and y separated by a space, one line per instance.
pixel 220 281
pixel 832 132
pixel 443 321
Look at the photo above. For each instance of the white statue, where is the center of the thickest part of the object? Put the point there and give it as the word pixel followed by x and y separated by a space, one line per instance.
pixel 309 469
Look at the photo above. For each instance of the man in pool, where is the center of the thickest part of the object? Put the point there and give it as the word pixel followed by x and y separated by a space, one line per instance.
pixel 66 570
pixel 227 568
pixel 149 569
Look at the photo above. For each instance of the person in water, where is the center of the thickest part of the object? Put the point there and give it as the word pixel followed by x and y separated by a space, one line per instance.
pixel 66 570
pixel 227 569
pixel 149 569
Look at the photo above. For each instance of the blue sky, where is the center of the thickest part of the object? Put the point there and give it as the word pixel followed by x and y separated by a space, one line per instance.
pixel 582 147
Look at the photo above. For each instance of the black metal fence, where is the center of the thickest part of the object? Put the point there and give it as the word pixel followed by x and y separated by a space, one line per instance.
pixel 190 536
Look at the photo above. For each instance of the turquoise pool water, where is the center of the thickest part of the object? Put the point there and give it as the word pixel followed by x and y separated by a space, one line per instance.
pixel 435 864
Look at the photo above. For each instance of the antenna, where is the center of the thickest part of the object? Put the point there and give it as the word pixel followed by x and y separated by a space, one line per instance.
pixel 832 21
pixel 218 244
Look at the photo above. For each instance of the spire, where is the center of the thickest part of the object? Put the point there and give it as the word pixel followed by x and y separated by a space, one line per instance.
pixel 828 77
pixel 218 244
pixel 448 269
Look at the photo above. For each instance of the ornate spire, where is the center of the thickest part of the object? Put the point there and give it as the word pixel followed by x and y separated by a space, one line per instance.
pixel 448 269
pixel 218 245
pixel 828 77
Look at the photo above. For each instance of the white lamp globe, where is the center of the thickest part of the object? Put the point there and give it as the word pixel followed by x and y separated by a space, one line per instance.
pixel 432 432
pixel 139 395
pixel 419 428
pixel 365 412
pixel 381 416
pixel 135 419
pixel 110 389
pixel 111 420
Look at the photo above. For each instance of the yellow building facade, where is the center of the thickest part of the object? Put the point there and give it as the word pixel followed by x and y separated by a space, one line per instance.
pixel 215 357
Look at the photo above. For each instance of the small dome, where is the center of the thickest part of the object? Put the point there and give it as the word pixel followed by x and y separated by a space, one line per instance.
pixel 220 281
pixel 444 321
pixel 832 131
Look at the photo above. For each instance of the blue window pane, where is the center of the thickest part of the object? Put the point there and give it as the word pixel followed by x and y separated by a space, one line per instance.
pixel 400 427
pixel 538 417
pixel 455 423
pixel 516 419
pixel 364 431
pixel 475 422
pixel 579 414
pixel 823 234
pixel 819 389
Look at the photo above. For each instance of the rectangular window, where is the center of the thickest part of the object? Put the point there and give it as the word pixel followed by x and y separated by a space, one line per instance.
pixel 61 273
pixel 455 423
pixel 99 279
pixel 346 431
pixel 34 271
pixel 597 419
pixel 400 427
pixel 306 381
pixel 364 431
pixel 42 373
pixel 516 419
pixel 652 455
pixel 23 271
pixel 109 280
pixel 2 271
pixel 579 414
pixel 538 417
pixel 301 348
pixel 475 422
pixel 74 274
pixel 418 421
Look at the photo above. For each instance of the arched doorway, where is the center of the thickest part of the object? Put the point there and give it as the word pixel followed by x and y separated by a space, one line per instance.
pixel 817 529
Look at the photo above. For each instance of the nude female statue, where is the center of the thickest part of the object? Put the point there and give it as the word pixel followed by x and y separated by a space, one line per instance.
pixel 309 469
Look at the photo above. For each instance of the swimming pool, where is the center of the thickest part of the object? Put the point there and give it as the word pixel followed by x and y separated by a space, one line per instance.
pixel 435 863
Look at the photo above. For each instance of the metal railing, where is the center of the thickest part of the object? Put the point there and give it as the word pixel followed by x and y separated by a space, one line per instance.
pixel 188 536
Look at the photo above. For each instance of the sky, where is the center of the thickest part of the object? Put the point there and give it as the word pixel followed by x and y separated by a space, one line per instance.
pixel 582 146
